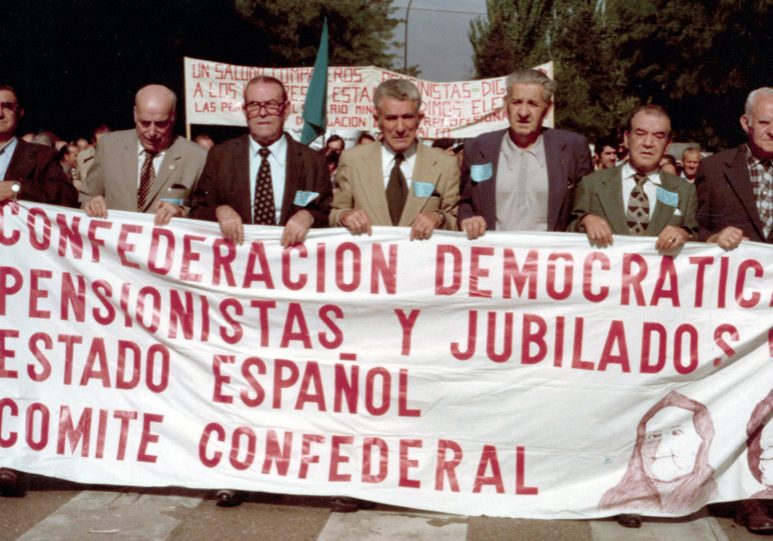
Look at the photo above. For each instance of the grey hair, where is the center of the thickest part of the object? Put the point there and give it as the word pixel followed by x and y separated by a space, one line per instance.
pixel 532 77
pixel 399 89
pixel 753 95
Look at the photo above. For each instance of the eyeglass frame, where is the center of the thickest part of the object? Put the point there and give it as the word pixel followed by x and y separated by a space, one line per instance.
pixel 271 107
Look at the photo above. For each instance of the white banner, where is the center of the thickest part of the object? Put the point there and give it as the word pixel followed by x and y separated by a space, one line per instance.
pixel 522 375
pixel 213 95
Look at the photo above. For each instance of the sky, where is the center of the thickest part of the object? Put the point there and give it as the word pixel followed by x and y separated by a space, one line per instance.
pixel 437 37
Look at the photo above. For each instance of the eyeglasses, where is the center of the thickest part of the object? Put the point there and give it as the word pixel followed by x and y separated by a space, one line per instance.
pixel 271 107
pixel 9 106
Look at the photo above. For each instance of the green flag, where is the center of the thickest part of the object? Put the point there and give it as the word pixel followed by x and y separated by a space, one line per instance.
pixel 315 107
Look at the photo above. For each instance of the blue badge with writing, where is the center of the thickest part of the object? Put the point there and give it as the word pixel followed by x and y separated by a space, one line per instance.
pixel 174 200
pixel 480 172
pixel 304 198
pixel 667 198
pixel 423 189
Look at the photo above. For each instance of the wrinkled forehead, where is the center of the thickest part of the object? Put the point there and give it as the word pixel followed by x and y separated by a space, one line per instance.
pixel 8 96
pixel 651 122
pixel 671 417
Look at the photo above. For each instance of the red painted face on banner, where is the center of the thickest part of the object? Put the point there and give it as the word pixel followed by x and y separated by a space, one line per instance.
pixel 766 457
pixel 671 445
pixel 399 122
pixel 266 111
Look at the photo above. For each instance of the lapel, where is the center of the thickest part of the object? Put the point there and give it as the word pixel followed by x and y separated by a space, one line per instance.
pixel 423 171
pixel 737 175
pixel 127 160
pixel 557 166
pixel 293 172
pixel 372 181
pixel 663 213
pixel 610 196
pixel 240 173
pixel 488 152
pixel 22 162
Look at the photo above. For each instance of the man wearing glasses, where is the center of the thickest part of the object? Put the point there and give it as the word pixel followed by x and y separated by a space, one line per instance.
pixel 265 177
pixel 30 172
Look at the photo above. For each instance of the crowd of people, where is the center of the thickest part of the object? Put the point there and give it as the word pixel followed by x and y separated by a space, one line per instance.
pixel 522 178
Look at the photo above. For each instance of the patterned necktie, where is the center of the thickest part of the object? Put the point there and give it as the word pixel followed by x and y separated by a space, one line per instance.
pixel 265 211
pixel 147 176
pixel 396 190
pixel 638 212
pixel 765 202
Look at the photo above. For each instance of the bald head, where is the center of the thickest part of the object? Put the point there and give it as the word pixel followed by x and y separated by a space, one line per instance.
pixel 154 115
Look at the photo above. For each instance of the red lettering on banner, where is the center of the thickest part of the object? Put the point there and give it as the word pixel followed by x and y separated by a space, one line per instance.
pixel 181 315
pixel 371 394
pixel 73 299
pixel 235 328
pixel 472 337
pixel 700 276
pixel 281 382
pixel 368 443
pixel 552 281
pixel 45 365
pixel 477 273
pixel 287 280
pixel 407 463
pixel 649 331
pixel 311 379
pixel 667 274
pixel 295 328
pixel 406 324
pixel 514 276
pixel 148 437
pixel 166 248
pixel 94 241
pixel 520 474
pixel 402 401
pixel 37 216
pixel 577 361
pixel 7 287
pixel 223 255
pixel 384 271
pixel 355 267
pixel 263 307
pixel 507 338
pixel 124 246
pixel 455 253
pixel 13 409
pixel 211 460
pixel 306 457
pixel 445 467
pixel 6 353
pixel 536 337
pixel 587 277
pixel 740 283
pixel 96 357
pixel 615 340
pixel 38 292
pixel 719 339
pixel 691 333
pixel 631 280
pixel 257 268
pixel 280 456
pixel 103 291
pixel 489 459
pixel 68 432
pixel 724 270
pixel 252 382
pixel 346 388
pixel 336 336
pixel 125 418
pixel 190 256
pixel 337 458
pixel 149 302
pixel 243 433
pixel 31 428
pixel 13 238
pixel 221 379
pixel 69 235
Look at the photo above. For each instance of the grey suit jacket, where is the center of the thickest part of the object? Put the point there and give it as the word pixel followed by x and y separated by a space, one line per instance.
pixel 601 193
pixel 726 197
pixel 568 160
pixel 114 173
pixel 361 186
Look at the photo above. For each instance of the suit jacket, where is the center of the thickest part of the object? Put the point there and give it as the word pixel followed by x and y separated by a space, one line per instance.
pixel 360 183
pixel 115 171
pixel 226 181
pixel 726 197
pixel 601 193
pixel 42 178
pixel 567 157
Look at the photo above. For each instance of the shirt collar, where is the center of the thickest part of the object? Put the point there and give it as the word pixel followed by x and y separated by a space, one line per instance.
pixel 141 151
pixel 629 172
pixel 754 161
pixel 10 146
pixel 537 149
pixel 277 148
pixel 388 155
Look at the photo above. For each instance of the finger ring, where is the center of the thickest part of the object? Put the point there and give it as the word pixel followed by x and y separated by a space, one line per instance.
pixel 672 239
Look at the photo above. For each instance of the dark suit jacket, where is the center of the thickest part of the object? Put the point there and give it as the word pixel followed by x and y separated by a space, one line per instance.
pixel 601 193
pixel 42 179
pixel 568 160
pixel 726 197
pixel 225 181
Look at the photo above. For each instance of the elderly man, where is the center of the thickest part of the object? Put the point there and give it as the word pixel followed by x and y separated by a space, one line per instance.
pixel 147 169
pixel 398 182
pixel 735 187
pixel 31 172
pixel 264 177
pixel 636 198
pixel 691 158
pixel 522 178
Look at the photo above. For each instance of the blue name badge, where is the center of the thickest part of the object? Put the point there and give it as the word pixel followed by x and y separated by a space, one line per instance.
pixel 304 198
pixel 667 198
pixel 423 189
pixel 174 200
pixel 481 172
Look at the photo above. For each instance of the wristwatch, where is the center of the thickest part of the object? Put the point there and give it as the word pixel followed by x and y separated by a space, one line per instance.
pixel 16 187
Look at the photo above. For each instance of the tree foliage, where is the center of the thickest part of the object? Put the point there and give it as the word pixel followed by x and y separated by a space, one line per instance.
pixel 698 59
pixel 359 30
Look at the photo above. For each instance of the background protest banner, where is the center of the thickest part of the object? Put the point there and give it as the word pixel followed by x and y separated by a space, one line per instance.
pixel 522 375
pixel 213 95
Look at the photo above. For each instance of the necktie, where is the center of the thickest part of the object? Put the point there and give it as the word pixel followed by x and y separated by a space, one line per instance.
pixel 638 212
pixel 147 176
pixel 265 212
pixel 396 190
pixel 765 204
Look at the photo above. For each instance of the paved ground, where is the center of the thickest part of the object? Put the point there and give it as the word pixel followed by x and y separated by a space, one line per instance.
pixel 54 510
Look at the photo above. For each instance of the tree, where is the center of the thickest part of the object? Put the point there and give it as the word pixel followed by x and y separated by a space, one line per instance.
pixel 289 30
pixel 513 35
